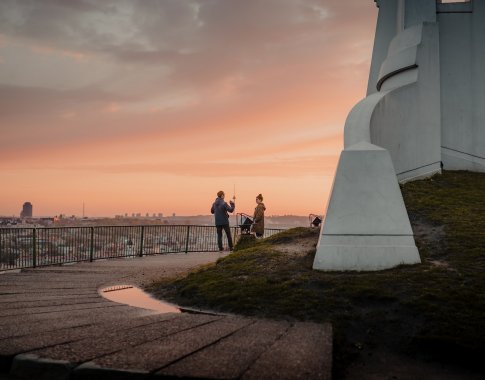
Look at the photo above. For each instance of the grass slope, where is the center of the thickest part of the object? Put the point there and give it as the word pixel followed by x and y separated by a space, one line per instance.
pixel 435 310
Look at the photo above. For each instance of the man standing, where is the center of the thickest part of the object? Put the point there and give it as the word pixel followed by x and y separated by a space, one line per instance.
pixel 220 209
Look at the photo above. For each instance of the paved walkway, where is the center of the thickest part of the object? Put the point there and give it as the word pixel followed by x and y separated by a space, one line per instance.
pixel 55 325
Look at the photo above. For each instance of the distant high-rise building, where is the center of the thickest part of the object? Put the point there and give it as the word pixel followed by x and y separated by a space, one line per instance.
pixel 26 210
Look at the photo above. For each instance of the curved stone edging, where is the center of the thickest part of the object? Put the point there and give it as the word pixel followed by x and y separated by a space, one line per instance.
pixel 59 327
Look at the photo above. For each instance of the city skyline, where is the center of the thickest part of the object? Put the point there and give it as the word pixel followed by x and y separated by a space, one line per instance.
pixel 156 106
pixel 27 213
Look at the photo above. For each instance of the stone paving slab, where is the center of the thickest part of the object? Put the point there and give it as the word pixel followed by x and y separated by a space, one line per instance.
pixel 118 340
pixel 20 344
pixel 59 315
pixel 13 346
pixel 303 353
pixel 11 300
pixel 11 327
pixel 231 356
pixel 54 324
pixel 33 303
pixel 40 292
pixel 62 308
pixel 151 356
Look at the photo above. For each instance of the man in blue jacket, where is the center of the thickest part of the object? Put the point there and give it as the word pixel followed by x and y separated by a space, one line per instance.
pixel 220 209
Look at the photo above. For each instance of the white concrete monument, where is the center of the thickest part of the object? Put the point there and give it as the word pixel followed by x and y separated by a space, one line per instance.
pixel 425 107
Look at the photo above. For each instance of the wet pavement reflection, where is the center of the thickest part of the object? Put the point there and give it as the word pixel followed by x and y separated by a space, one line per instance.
pixel 133 296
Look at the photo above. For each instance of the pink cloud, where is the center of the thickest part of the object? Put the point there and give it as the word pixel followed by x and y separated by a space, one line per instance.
pixel 192 91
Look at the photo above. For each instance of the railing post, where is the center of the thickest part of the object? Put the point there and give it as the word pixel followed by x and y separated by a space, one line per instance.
pixel 141 240
pixel 34 247
pixel 91 245
pixel 234 236
pixel 187 240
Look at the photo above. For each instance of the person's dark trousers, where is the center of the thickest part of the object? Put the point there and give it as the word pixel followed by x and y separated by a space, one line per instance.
pixel 227 229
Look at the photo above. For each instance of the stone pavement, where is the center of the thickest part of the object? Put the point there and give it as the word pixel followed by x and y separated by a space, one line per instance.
pixel 54 324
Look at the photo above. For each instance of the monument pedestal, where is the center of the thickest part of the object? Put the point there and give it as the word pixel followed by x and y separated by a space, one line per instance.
pixel 366 224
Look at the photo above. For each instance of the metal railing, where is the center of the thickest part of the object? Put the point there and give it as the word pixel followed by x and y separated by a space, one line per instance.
pixel 33 247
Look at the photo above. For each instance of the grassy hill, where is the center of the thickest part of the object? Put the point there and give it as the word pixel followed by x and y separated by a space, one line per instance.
pixel 434 311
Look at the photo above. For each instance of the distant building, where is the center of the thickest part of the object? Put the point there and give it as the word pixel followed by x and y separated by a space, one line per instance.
pixel 26 210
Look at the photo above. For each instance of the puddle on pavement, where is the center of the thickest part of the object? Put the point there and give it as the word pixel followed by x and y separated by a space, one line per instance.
pixel 133 296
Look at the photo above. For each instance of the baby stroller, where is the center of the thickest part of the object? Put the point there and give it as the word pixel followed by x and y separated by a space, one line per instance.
pixel 244 222
pixel 315 220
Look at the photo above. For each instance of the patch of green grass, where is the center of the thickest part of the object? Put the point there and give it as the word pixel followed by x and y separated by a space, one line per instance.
pixel 435 309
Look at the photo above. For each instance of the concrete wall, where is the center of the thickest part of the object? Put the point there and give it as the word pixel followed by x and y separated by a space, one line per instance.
pixel 407 120
pixel 450 63
pixel 425 105
pixel 462 62
pixel 419 11
pixel 386 30
pixel 394 16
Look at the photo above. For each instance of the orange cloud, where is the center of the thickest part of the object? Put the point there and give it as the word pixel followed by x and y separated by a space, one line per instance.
pixel 255 94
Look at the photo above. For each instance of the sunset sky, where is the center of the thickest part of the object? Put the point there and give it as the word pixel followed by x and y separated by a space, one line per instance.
pixel 155 105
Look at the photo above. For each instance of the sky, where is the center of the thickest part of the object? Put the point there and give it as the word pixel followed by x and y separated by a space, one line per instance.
pixel 153 106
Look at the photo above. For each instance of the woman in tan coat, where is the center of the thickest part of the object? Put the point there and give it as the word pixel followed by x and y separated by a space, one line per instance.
pixel 258 218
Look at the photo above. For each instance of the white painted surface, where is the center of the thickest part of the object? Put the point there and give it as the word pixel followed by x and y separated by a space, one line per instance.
pixel 366 224
pixel 429 108
pixel 366 198
pixel 386 29
pixel 365 253
pixel 357 125
pixel 407 121
pixel 462 64
pixel 402 52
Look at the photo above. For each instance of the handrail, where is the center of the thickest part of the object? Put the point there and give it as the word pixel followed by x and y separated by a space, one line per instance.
pixel 40 246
